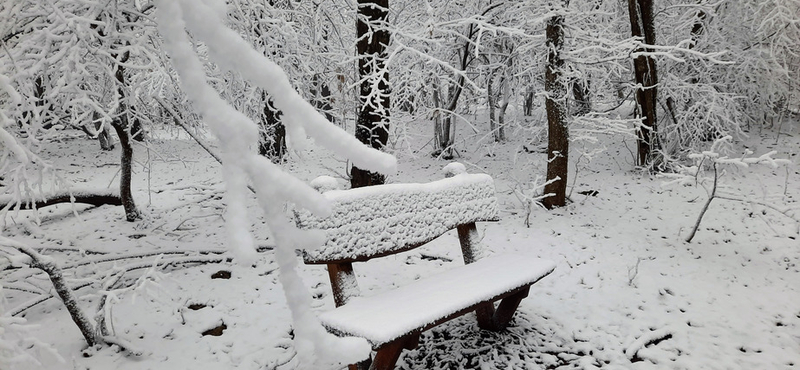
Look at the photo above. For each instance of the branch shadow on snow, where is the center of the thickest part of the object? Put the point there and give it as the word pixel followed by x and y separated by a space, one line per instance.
pixel 530 341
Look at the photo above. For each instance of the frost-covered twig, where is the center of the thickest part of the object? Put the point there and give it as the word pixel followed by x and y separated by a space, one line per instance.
pixel 532 195
pixel 179 121
pixel 705 206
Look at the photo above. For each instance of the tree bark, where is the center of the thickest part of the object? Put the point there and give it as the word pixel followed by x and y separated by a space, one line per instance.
pixel 491 101
pixel 580 91
pixel 555 104
pixel 643 25
pixel 126 170
pixel 122 127
pixel 372 123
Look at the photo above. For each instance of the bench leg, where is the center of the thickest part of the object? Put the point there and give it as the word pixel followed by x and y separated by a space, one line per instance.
pixel 485 314
pixel 387 356
pixel 507 308
pixel 493 319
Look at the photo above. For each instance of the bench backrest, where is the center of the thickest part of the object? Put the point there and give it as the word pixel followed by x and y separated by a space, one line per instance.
pixel 381 220
pixel 376 221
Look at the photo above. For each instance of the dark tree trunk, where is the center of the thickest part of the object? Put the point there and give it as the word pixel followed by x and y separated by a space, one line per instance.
pixel 491 101
pixel 272 141
pixel 372 124
pixel 122 128
pixel 527 106
pixel 580 91
pixel 444 130
pixel 698 28
pixel 555 104
pixel 322 98
pixel 131 213
pixel 643 25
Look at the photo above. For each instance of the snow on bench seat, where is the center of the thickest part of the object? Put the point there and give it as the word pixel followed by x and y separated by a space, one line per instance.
pixel 380 220
pixel 417 306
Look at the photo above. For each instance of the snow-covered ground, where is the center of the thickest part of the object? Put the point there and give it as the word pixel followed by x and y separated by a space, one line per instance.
pixel 627 292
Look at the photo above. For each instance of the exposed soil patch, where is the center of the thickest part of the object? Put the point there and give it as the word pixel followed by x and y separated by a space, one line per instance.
pixel 217 331
pixel 221 274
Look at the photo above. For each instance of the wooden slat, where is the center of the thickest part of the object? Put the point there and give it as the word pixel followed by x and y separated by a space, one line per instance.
pixel 435 299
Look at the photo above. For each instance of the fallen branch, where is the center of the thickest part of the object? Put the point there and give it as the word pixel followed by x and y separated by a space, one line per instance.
pixel 647 339
pixel 49 266
pixel 94 198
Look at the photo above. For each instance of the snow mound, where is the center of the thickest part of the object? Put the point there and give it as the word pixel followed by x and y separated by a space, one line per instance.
pixel 389 218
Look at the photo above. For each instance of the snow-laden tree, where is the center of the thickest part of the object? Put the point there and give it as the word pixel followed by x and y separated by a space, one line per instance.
pixel 79 63
pixel 706 99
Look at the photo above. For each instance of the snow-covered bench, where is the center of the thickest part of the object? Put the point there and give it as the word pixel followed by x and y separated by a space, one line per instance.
pixel 383 220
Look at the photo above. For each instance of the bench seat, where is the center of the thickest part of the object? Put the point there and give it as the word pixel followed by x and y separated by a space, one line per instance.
pixel 427 302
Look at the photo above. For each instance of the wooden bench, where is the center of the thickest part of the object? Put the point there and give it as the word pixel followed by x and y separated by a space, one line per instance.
pixel 378 221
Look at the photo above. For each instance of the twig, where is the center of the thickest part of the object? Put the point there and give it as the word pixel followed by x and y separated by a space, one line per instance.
pixel 179 121
pixel 705 207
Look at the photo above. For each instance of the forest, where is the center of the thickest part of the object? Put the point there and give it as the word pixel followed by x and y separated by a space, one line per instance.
pixel 157 158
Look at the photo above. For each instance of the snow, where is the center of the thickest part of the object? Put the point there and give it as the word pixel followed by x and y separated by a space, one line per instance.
pixel 379 219
pixel 731 298
pixel 384 317
pixel 324 183
pixel 453 169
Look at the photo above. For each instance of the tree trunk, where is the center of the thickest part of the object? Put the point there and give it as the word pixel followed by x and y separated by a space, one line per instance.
pixel 272 133
pixel 580 91
pixel 555 104
pixel 505 98
pixel 372 123
pixel 491 102
pixel 126 164
pixel 322 98
pixel 122 128
pixel 643 25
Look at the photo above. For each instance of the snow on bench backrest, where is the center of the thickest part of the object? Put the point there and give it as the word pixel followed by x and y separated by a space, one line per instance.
pixel 380 220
